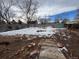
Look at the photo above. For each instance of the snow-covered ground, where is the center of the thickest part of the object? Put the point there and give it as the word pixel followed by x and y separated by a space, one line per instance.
pixel 48 31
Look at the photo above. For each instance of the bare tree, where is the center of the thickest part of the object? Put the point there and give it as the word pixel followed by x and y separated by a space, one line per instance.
pixel 5 12
pixel 28 8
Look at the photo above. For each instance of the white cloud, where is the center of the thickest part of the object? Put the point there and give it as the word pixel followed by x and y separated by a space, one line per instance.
pixel 45 11
pixel 52 7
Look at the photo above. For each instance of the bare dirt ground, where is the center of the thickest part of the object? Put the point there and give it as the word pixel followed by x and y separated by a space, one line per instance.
pixel 14 49
pixel 50 50
pixel 18 47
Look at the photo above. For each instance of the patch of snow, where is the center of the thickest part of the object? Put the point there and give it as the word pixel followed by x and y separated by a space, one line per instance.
pixel 30 31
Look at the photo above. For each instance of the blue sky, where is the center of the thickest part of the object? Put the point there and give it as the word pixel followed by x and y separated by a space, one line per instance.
pixel 66 15
pixel 53 7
